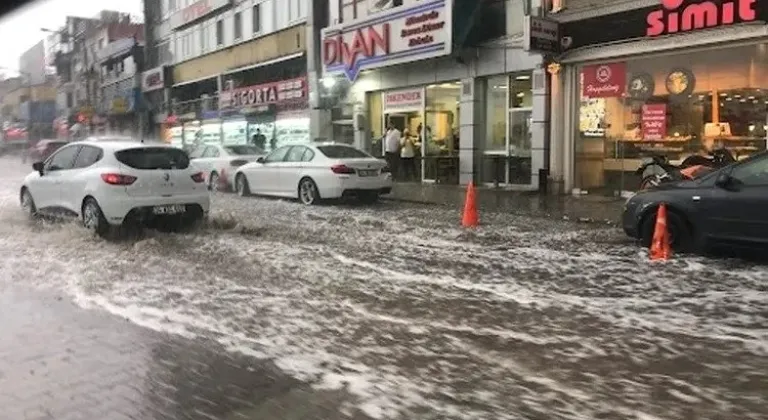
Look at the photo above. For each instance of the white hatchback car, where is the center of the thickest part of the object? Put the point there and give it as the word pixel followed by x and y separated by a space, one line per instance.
pixel 311 172
pixel 107 183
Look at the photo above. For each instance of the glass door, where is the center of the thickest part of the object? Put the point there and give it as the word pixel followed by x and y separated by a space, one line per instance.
pixel 519 146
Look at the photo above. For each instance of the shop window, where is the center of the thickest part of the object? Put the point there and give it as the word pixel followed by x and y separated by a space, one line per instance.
pixel 219 33
pixel 507 150
pixel 440 134
pixel 238 25
pixel 674 106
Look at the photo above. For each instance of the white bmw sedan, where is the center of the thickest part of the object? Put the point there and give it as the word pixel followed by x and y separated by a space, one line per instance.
pixel 219 162
pixel 312 172
pixel 107 183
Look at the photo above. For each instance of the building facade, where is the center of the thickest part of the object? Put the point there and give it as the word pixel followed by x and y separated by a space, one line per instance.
pixel 72 50
pixel 452 75
pixel 669 78
pixel 239 68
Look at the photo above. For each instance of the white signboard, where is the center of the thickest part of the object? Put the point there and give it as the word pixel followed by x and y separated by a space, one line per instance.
pixel 195 11
pixel 394 36
pixel 153 79
pixel 403 100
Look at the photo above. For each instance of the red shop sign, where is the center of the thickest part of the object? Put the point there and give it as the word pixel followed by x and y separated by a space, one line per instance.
pixel 604 80
pixel 654 121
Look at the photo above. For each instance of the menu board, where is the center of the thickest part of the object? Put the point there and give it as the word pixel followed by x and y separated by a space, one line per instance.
pixel 654 121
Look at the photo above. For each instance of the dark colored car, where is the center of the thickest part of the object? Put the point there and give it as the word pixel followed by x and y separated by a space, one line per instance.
pixel 44 148
pixel 728 206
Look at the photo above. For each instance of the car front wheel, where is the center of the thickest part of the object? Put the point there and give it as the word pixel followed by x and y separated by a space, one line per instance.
pixel 28 203
pixel 241 185
pixel 680 235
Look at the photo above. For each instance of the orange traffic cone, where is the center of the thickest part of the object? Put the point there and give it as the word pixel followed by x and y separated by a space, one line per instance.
pixel 660 248
pixel 470 218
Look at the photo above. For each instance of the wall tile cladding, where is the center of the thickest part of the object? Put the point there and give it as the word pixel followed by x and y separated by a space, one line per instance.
pixel 585 9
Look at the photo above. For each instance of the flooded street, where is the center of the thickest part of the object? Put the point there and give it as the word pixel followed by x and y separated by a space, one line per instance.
pixel 394 312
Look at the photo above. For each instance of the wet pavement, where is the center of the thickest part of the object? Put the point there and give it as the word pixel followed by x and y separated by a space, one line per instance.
pixel 392 311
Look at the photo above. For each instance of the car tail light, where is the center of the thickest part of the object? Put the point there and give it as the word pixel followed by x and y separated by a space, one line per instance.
pixel 198 177
pixel 342 169
pixel 118 179
pixel 237 162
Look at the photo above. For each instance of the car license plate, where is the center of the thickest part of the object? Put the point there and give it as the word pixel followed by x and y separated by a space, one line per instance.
pixel 169 209
pixel 369 172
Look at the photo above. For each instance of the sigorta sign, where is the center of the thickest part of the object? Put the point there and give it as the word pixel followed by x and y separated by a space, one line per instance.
pixel 683 16
pixel 265 94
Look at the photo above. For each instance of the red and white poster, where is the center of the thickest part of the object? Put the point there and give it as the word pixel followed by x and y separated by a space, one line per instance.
pixel 654 121
pixel 604 80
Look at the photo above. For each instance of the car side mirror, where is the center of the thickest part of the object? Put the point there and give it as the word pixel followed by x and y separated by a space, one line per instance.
pixel 260 159
pixel 38 166
pixel 724 181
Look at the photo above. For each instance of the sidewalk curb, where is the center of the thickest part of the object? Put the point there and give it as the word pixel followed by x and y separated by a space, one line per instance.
pixel 542 215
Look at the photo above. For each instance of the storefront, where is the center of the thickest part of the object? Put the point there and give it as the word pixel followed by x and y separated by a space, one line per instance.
pixel 700 87
pixel 279 111
pixel 489 127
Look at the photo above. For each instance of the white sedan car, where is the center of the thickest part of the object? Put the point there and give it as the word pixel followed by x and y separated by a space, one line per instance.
pixel 311 172
pixel 220 162
pixel 107 183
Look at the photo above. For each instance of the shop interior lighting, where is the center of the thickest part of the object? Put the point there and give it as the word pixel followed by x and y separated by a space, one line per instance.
pixel 328 82
pixel 521 95
pixel 723 94
pixel 525 77
pixel 751 97
pixel 743 100
pixel 737 96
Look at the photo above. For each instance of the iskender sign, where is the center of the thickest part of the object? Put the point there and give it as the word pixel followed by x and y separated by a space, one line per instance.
pixel 668 17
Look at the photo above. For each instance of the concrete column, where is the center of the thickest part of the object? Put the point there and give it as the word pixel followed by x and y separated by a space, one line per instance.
pixel 319 119
pixel 539 126
pixel 557 135
pixel 471 127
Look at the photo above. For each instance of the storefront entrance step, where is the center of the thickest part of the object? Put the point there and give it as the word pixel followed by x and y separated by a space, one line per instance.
pixel 590 209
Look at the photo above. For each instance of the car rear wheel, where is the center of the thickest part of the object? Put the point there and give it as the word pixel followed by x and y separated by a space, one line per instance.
pixel 241 185
pixel 93 218
pixel 308 193
pixel 28 203
pixel 213 182
pixel 680 235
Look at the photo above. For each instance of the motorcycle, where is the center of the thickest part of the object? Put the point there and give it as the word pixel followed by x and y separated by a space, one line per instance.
pixel 658 170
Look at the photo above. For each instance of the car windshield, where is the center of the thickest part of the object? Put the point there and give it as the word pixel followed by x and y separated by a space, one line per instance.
pixel 153 158
pixel 342 152
pixel 244 150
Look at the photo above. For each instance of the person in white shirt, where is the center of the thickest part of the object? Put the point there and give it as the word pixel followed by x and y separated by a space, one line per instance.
pixel 392 148
pixel 407 157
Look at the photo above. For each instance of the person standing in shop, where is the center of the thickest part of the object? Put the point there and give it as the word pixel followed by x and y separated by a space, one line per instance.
pixel 408 157
pixel 259 140
pixel 392 149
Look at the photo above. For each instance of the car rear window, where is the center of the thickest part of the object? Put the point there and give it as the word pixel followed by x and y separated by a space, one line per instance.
pixel 154 158
pixel 244 150
pixel 341 152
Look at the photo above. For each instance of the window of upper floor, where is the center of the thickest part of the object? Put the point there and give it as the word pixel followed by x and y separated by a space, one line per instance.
pixel 237 23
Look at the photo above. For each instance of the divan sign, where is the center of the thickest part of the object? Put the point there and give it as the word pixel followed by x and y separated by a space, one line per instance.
pixel 684 15
pixel 394 36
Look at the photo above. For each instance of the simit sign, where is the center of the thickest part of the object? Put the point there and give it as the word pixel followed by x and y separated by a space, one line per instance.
pixel 683 16
pixel 399 35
